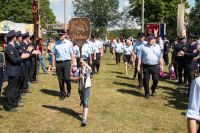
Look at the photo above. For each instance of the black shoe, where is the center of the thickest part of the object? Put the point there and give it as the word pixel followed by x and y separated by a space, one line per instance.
pixel 62 98
pixel 68 93
pixel 83 123
pixel 146 96
pixel 12 110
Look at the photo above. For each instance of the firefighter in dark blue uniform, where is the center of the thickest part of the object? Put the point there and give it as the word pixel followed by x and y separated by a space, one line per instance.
pixel 181 60
pixel 166 51
pixel 14 72
pixel 190 65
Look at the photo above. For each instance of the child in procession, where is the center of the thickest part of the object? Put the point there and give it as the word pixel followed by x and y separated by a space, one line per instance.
pixel 82 75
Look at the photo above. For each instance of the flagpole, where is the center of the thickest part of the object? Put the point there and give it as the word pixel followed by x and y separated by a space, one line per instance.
pixel 142 14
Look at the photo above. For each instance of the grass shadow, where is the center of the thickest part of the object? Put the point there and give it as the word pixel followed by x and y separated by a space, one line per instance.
pixel 131 92
pixel 124 77
pixel 175 97
pixel 65 111
pixel 111 64
pixel 50 92
pixel 125 84
pixel 116 72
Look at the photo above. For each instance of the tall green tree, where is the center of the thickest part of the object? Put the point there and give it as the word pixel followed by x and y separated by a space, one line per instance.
pixel 156 10
pixel 194 24
pixel 21 11
pixel 102 13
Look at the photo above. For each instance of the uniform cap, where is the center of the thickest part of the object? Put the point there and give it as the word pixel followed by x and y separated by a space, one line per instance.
pixel 151 36
pixel 141 34
pixel 193 36
pixel 25 35
pixel 181 38
pixel 61 32
pixel 18 34
pixel 10 34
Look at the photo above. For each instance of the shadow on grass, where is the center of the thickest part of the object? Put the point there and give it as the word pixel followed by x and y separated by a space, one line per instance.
pixel 110 64
pixel 131 92
pixel 65 111
pixel 116 72
pixel 124 77
pixel 175 97
pixel 169 81
pixel 50 92
pixel 126 84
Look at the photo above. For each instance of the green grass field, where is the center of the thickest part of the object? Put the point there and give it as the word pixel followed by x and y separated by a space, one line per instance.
pixel 116 106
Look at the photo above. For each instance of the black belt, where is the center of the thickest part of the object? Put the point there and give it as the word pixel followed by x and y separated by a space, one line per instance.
pixel 63 61
pixel 146 65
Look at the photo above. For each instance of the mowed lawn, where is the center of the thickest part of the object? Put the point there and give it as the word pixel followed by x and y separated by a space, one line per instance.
pixel 116 106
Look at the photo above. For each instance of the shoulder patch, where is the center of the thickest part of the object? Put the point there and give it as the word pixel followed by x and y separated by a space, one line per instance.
pixel 11 52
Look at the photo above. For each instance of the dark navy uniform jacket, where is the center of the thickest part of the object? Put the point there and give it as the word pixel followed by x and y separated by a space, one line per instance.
pixel 189 55
pixel 13 61
pixel 24 48
pixel 166 47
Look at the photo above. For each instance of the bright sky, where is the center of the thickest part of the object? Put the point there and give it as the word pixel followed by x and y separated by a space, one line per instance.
pixel 58 8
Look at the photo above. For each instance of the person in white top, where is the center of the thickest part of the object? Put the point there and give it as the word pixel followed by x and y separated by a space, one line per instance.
pixel 193 112
pixel 118 50
pixel 82 75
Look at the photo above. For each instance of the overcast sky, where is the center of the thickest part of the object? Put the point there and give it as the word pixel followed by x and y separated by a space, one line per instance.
pixel 58 8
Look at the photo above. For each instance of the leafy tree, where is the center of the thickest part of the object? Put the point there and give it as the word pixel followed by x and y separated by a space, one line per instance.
pixel 21 11
pixel 102 13
pixel 194 24
pixel 156 10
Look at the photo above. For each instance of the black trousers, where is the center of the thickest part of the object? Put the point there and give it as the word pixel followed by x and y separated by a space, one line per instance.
pixel 25 85
pixel 96 63
pixel 166 58
pixel 147 71
pixel 118 57
pixel 12 93
pixel 78 62
pixel 63 75
pixel 181 68
pixel 140 80
pixel 190 74
pixel 33 69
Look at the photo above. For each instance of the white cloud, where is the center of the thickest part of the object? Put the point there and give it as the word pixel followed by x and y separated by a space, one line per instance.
pixel 126 3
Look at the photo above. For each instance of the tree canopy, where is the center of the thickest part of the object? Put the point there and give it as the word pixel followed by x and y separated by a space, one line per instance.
pixel 156 10
pixel 194 24
pixel 21 11
pixel 102 13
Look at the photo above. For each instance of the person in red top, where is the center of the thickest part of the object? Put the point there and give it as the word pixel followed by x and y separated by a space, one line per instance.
pixel 40 56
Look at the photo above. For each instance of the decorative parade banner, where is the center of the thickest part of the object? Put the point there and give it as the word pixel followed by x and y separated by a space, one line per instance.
pixel 6 26
pixel 181 28
pixel 152 28
pixel 79 30
pixel 57 26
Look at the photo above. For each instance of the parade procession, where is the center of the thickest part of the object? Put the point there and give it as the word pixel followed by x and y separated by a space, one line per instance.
pixel 124 66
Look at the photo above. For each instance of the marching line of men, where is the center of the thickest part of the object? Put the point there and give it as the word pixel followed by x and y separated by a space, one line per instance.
pixel 152 54
pixel 18 69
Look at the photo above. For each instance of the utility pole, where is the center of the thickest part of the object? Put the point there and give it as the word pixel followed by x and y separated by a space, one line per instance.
pixel 142 17
pixel 65 14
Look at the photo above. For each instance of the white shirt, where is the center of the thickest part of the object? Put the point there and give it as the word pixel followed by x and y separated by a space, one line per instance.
pixel 161 43
pixel 194 101
pixel 86 72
